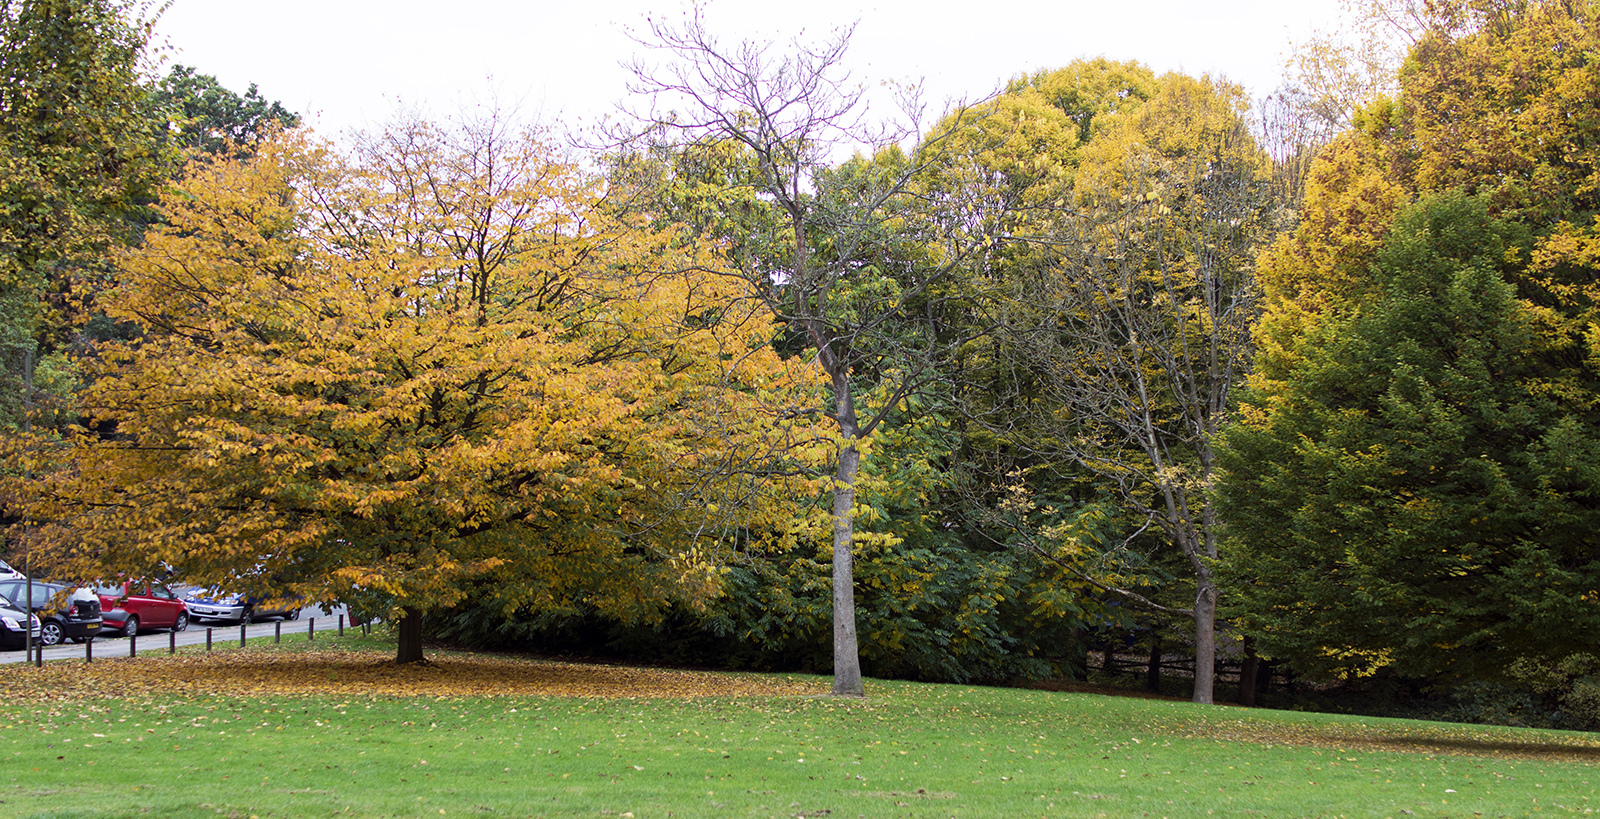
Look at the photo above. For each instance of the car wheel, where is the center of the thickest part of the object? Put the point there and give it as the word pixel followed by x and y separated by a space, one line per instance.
pixel 249 615
pixel 293 614
pixel 182 623
pixel 131 627
pixel 50 634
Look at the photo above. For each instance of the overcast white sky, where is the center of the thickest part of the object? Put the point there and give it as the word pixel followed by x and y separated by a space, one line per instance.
pixel 349 63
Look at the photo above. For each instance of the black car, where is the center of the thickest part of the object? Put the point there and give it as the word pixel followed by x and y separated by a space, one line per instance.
pixel 65 613
pixel 13 625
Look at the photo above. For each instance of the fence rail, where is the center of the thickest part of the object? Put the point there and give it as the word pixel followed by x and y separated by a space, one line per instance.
pixel 34 654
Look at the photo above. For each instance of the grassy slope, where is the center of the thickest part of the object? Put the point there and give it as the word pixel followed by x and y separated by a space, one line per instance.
pixel 347 736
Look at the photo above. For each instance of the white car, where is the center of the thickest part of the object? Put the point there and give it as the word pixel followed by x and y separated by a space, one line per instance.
pixel 8 573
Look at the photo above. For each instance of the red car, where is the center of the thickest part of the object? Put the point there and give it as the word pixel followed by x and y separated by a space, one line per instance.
pixel 141 604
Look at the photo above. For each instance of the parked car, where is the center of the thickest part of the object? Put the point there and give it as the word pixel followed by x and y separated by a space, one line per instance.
pixel 218 604
pixel 8 573
pixel 64 613
pixel 141 604
pixel 12 620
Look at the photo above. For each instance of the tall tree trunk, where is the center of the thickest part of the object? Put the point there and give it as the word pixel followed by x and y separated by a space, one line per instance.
pixel 409 637
pixel 1205 640
pixel 846 652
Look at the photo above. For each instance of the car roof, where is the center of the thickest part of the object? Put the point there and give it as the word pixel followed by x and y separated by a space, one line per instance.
pixel 18 581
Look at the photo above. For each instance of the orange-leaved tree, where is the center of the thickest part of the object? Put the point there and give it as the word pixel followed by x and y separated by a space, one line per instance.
pixel 433 366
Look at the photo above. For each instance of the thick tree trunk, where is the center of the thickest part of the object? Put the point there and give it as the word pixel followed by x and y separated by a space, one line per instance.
pixel 409 637
pixel 846 652
pixel 1205 641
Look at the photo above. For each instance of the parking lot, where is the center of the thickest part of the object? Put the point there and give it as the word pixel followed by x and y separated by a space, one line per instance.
pixel 312 620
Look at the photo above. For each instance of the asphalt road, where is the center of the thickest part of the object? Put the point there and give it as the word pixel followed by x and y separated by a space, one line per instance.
pixel 160 642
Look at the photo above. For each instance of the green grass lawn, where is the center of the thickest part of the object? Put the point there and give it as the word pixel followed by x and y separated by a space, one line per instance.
pixel 162 747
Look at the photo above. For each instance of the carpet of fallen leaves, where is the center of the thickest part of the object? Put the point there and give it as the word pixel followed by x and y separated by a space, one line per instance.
pixel 335 672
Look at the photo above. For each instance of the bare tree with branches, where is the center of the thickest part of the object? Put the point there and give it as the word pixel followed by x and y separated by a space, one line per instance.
pixel 824 274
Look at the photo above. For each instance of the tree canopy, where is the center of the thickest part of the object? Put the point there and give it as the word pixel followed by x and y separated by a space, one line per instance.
pixel 1122 303
pixel 1410 480
pixel 842 254
pixel 81 153
pixel 210 118
pixel 379 379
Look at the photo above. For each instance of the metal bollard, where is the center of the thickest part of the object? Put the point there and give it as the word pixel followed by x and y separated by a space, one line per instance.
pixel 241 634
pixel 341 625
pixel 88 650
pixel 208 638
pixel 133 645
pixel 311 629
pixel 277 632
pixel 172 642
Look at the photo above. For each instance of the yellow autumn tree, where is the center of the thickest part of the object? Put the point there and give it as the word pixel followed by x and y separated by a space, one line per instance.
pixel 437 362
pixel 1126 305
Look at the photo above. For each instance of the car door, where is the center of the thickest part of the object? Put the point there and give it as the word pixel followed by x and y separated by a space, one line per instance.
pixel 136 600
pixel 167 602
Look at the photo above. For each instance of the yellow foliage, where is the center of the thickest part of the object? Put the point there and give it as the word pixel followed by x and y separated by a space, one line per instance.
pixel 439 361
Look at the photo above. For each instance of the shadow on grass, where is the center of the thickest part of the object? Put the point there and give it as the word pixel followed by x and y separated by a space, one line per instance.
pixel 1454 740
pixel 1554 750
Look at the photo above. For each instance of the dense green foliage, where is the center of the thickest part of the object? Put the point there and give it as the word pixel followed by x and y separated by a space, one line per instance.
pixel 209 118
pixel 940 595
pixel 1412 483
pixel 1415 498
pixel 81 152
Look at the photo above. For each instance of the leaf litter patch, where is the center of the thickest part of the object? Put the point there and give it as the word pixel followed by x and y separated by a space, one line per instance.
pixel 320 672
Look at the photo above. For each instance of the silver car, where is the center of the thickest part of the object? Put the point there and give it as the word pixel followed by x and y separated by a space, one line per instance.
pixel 218 604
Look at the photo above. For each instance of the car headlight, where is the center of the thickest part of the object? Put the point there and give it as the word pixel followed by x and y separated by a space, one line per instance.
pixel 11 623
